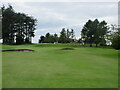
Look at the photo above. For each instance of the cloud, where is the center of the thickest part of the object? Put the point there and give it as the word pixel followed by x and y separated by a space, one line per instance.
pixel 60 1
pixel 53 16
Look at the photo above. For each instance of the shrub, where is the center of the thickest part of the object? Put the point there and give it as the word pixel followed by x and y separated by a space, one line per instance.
pixel 116 42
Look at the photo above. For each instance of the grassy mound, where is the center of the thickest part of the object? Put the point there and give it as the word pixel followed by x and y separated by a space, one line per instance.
pixel 67 49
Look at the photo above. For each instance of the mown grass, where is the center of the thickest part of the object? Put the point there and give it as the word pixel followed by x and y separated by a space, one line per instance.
pixel 0 66
pixel 50 67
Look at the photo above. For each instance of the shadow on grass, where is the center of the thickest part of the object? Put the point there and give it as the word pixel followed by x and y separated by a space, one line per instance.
pixel 12 50
pixel 67 49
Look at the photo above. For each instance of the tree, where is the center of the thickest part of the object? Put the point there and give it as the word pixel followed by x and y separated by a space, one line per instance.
pixel 100 30
pixel 103 30
pixel 63 36
pixel 55 37
pixel 42 39
pixel 116 42
pixel 94 32
pixel 115 37
pixel 87 33
pixel 7 24
pixel 47 38
pixel 20 28
pixel 72 35
pixel 52 39
pixel 30 27
pixel 17 27
pixel 68 34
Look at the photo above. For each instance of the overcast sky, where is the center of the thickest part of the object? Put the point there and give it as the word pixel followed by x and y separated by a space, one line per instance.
pixel 53 16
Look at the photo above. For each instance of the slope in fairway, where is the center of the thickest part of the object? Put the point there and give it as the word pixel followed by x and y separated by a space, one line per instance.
pixel 51 67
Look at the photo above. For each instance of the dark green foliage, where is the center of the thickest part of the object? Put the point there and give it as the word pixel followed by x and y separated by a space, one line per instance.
pixel 116 39
pixel 55 37
pixel 42 39
pixel 20 40
pixel 72 35
pixel 63 36
pixel 94 32
pixel 48 38
pixel 66 36
pixel 18 28
pixel 116 42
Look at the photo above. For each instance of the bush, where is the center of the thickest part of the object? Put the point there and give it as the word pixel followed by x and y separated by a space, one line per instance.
pixel 116 42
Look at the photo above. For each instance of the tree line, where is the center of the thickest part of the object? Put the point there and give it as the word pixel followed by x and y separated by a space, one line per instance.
pixel 17 28
pixel 93 33
pixel 66 36
pixel 96 32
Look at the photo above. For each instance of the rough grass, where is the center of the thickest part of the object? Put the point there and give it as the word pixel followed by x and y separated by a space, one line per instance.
pixel 50 67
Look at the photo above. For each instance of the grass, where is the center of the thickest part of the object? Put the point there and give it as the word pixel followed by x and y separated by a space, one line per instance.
pixel 50 67
pixel 0 66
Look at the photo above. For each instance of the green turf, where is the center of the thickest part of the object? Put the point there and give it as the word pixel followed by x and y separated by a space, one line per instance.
pixel 50 67
pixel 0 66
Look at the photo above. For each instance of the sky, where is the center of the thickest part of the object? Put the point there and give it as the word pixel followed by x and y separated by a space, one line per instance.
pixel 53 16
